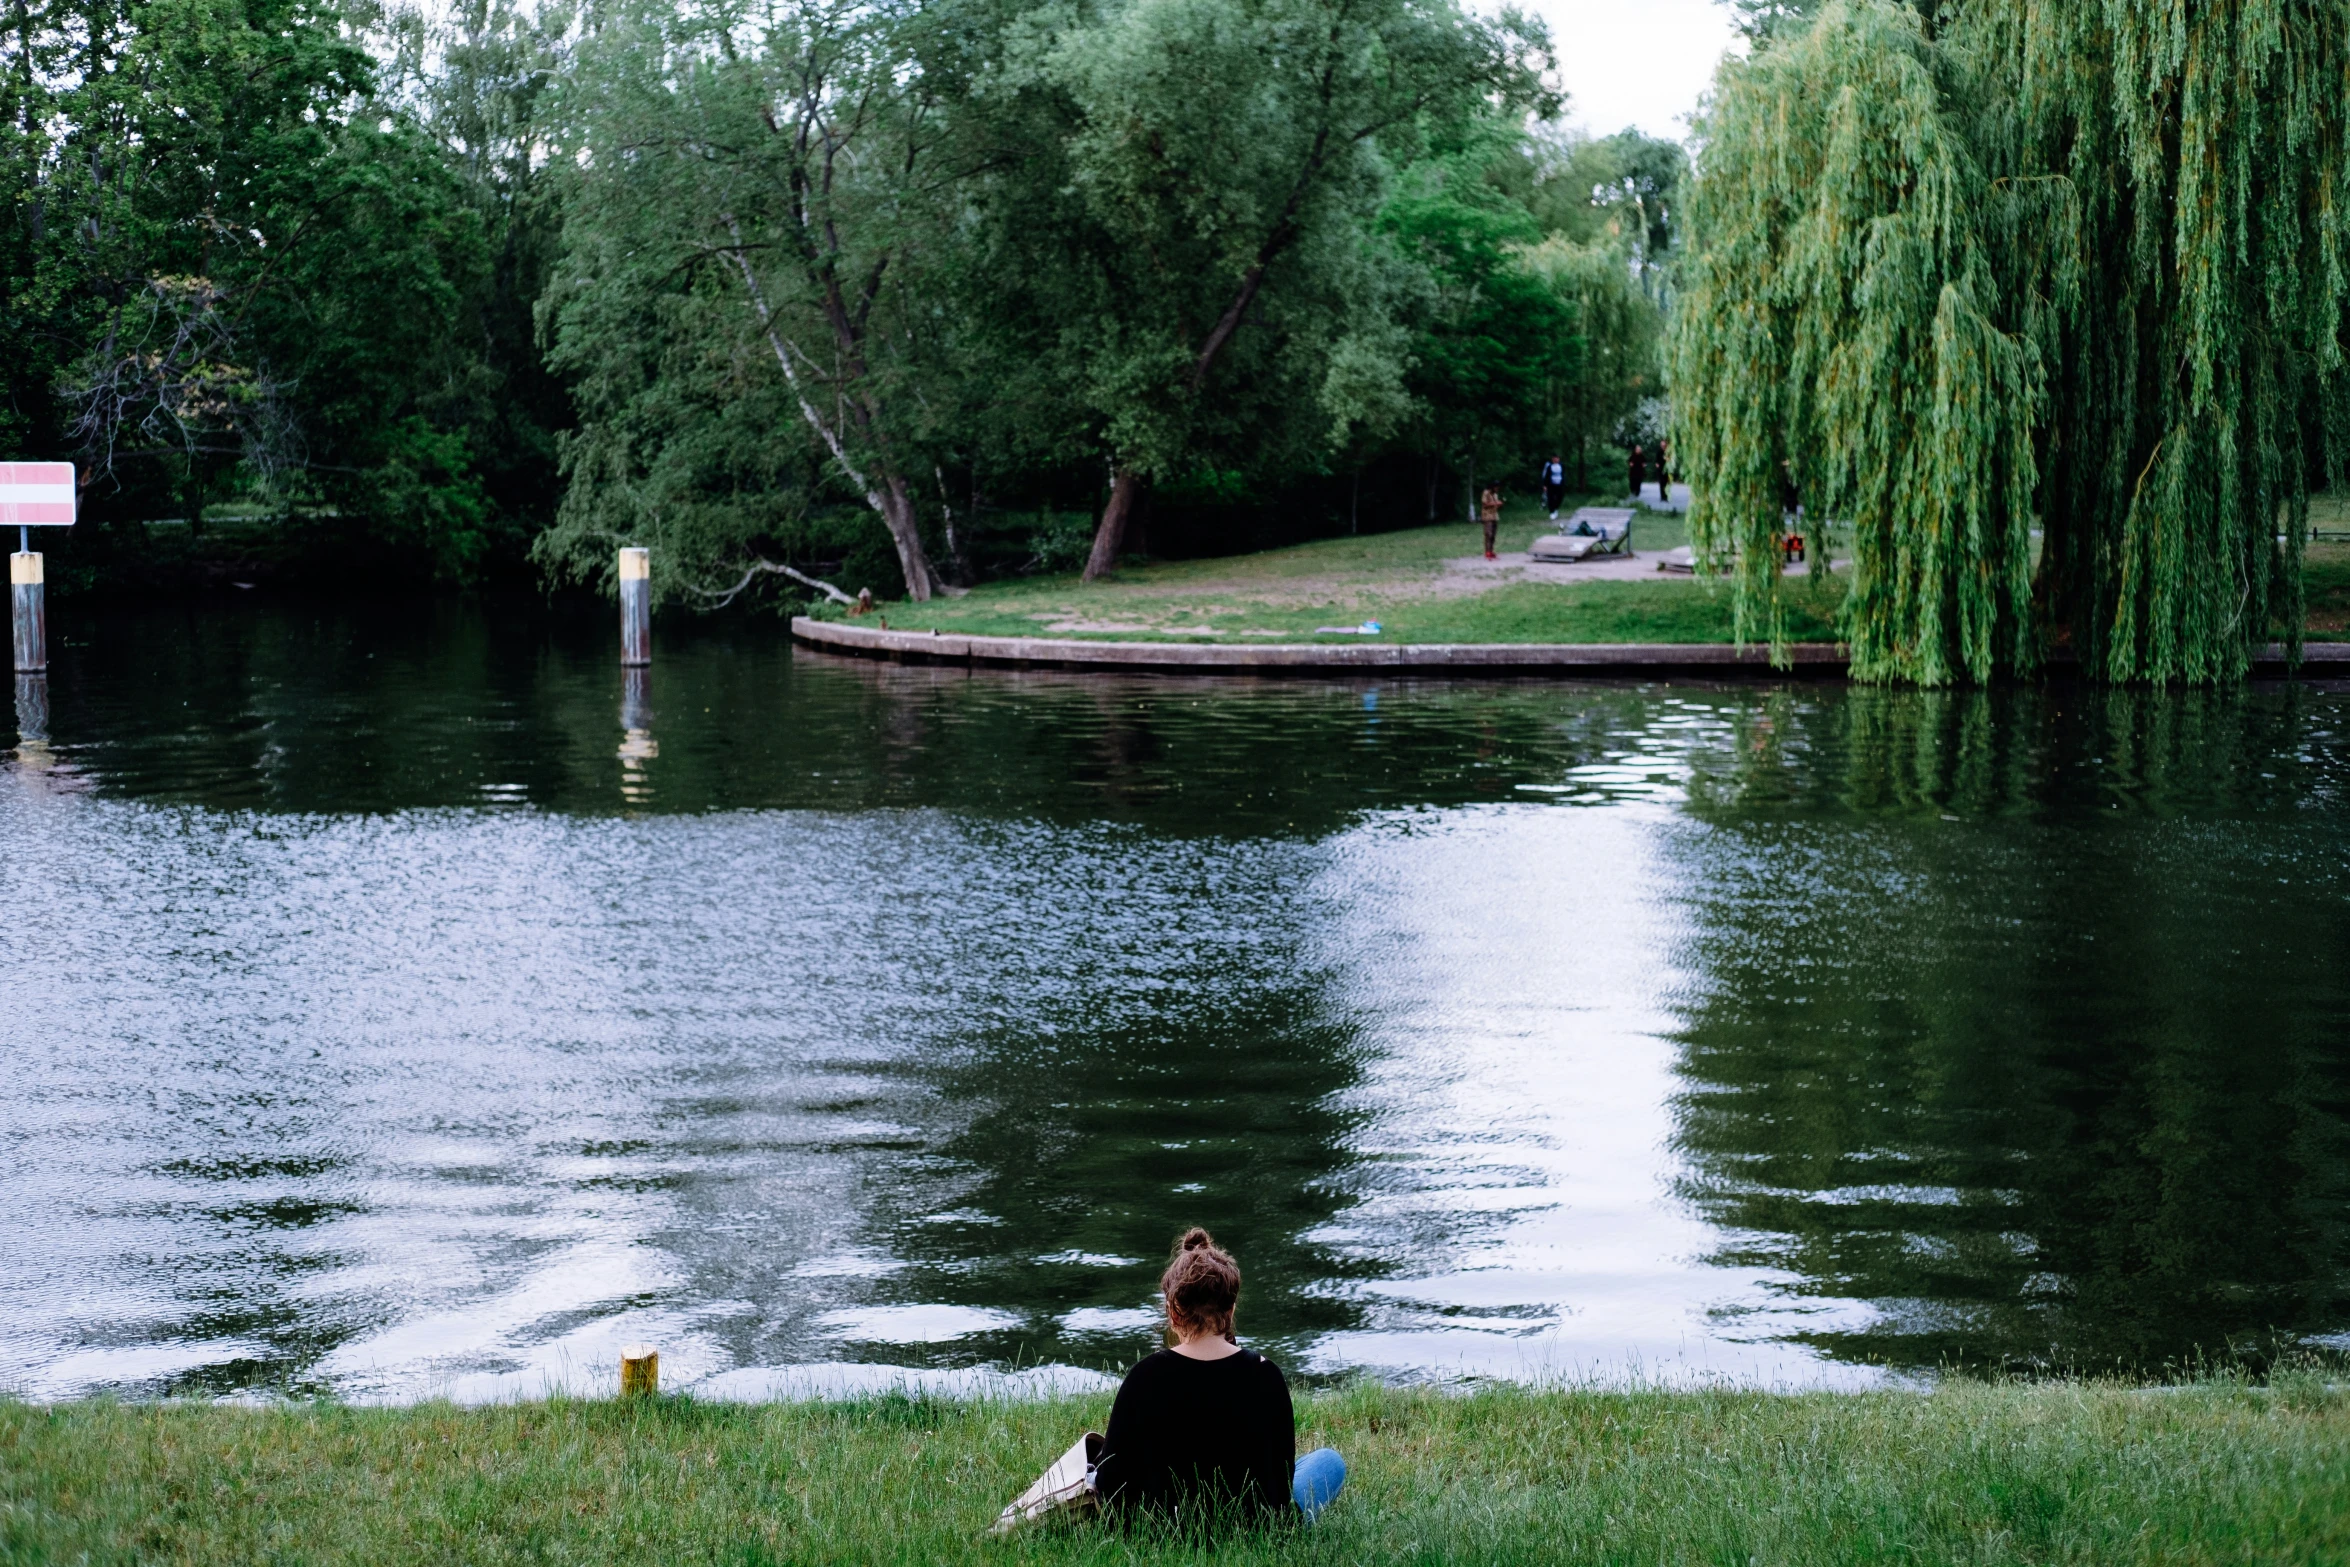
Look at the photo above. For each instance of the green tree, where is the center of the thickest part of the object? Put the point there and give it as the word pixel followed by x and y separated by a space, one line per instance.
pixel 1609 210
pixel 1490 337
pixel 366 311
pixel 43 51
pixel 1623 190
pixel 1764 20
pixel 1226 157
pixel 479 78
pixel 231 267
pixel 758 183
pixel 170 180
pixel 1616 339
pixel 1954 273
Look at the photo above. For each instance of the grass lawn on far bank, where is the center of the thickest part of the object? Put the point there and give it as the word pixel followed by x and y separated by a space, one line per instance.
pixel 1420 584
pixel 2326 573
pixel 1426 585
pixel 1970 1473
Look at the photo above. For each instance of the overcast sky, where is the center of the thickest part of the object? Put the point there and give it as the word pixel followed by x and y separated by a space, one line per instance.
pixel 1635 62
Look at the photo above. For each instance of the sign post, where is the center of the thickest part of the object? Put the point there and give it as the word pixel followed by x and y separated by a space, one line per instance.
pixel 32 495
pixel 636 607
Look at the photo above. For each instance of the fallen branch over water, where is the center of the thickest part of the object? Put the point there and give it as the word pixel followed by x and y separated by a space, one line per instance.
pixel 720 599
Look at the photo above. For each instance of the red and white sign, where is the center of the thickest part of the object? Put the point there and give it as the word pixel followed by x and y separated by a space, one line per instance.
pixel 36 494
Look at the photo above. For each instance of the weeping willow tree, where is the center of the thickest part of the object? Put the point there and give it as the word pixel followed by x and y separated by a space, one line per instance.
pixel 2013 265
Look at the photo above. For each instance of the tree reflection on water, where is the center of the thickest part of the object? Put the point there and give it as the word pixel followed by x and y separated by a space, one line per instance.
pixel 417 998
pixel 2020 1019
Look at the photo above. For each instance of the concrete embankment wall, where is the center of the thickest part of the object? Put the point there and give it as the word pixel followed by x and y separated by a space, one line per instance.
pixel 2322 660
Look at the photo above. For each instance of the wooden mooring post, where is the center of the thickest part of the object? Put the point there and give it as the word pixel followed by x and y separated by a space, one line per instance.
pixel 640 1370
pixel 636 607
pixel 28 612
pixel 32 715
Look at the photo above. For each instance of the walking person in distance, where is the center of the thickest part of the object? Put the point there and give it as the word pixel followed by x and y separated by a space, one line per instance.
pixel 1205 1428
pixel 1554 486
pixel 1639 470
pixel 1489 515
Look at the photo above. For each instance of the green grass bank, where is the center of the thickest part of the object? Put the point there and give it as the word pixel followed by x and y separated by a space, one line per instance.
pixel 1427 585
pixel 1969 1473
pixel 1423 585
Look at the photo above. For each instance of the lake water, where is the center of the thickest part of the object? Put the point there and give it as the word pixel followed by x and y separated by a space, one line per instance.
pixel 399 1006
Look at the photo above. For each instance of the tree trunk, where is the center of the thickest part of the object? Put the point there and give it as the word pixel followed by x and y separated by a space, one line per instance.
pixel 958 560
pixel 885 490
pixel 897 514
pixel 958 563
pixel 1110 537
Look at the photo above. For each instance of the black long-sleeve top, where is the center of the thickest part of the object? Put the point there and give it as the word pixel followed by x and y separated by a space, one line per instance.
pixel 1186 1434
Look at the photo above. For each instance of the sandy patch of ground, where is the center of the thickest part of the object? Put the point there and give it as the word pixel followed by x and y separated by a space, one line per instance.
pixel 1476 573
pixel 1479 573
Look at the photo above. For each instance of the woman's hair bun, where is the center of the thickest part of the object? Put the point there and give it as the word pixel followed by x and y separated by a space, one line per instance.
pixel 1201 1284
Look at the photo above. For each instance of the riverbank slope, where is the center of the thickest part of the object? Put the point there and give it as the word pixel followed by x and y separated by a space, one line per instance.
pixel 1969 1473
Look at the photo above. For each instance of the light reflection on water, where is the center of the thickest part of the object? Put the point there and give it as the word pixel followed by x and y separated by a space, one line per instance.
pixel 417 1012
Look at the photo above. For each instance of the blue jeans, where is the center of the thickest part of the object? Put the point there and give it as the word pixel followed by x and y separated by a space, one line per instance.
pixel 1314 1483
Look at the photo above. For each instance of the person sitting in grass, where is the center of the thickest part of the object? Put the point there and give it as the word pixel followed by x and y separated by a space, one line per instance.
pixel 1207 1426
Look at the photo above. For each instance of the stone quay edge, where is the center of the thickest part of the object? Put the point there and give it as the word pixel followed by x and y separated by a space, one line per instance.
pixel 2320 660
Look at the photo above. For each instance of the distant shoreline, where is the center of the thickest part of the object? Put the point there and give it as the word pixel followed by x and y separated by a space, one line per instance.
pixel 1575 660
